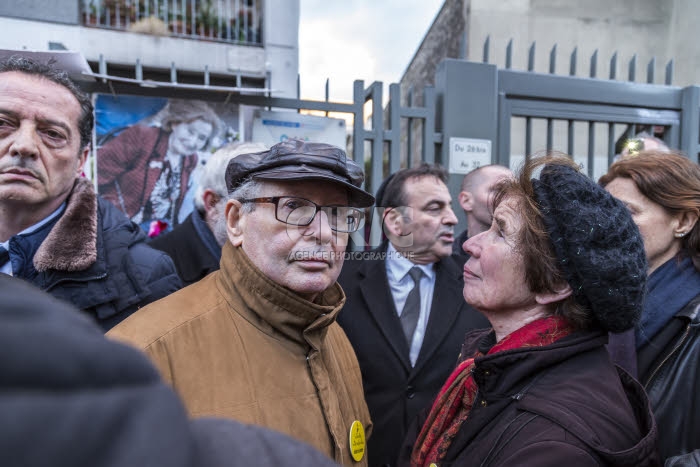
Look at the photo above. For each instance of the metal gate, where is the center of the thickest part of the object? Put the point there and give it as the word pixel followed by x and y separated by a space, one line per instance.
pixel 552 112
pixel 517 112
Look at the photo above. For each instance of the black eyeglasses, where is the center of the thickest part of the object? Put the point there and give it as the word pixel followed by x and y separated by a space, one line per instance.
pixel 301 212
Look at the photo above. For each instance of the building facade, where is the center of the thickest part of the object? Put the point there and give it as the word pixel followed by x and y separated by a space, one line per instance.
pixel 546 36
pixel 254 39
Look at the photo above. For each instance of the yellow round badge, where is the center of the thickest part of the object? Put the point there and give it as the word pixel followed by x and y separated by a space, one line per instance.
pixel 357 440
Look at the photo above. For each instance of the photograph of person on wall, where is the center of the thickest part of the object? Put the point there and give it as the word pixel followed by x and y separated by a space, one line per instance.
pixel 147 168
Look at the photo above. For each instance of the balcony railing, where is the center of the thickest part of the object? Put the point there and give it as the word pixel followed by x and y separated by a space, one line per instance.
pixel 233 21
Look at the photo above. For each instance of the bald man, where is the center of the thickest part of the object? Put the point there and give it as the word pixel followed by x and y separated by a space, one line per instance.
pixel 474 199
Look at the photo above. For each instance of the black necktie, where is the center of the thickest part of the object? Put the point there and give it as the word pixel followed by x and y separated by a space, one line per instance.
pixel 4 256
pixel 411 310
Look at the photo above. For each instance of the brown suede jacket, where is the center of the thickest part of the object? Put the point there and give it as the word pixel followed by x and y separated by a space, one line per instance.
pixel 238 345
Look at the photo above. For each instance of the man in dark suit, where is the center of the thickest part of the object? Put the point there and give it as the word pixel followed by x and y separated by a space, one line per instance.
pixel 405 315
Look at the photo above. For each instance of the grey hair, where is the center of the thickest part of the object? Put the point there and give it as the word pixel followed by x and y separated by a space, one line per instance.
pixel 213 175
pixel 249 189
pixel 219 228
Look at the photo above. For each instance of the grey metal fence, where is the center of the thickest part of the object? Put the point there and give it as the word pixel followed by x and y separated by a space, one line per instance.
pixel 582 116
pixel 376 136
pixel 233 21
pixel 516 112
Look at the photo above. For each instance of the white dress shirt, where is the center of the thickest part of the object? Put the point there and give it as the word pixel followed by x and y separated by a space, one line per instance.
pixel 400 284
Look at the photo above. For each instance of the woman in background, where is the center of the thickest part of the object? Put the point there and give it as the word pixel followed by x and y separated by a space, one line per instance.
pixel 662 191
pixel 145 170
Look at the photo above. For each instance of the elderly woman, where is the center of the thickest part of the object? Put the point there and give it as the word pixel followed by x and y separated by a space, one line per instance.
pixel 561 265
pixel 662 191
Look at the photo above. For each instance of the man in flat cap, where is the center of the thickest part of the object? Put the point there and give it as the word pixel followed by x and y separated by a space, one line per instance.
pixel 257 340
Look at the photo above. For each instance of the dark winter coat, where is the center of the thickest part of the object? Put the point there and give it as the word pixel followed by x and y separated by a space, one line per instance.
pixel 669 367
pixel 457 250
pixel 395 391
pixel 97 259
pixel 564 404
pixel 69 397
pixel 188 249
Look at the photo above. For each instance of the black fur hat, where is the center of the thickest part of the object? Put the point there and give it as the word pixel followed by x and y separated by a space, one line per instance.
pixel 597 243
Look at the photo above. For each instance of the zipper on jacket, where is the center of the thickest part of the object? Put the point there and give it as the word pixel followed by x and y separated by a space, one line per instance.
pixel 668 357
pixel 74 279
pixel 336 444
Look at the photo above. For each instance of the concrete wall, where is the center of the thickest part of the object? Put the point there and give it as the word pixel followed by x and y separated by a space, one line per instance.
pixel 443 40
pixel 663 29
pixel 642 27
pixel 682 43
pixel 281 32
pixel 121 47
pixel 660 29
pixel 55 11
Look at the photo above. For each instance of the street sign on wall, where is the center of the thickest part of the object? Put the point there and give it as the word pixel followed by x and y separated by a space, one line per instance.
pixel 468 154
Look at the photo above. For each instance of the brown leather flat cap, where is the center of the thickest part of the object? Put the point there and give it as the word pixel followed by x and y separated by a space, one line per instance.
pixel 295 159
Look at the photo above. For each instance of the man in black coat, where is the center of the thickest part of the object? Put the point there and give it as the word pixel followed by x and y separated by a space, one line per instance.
pixel 195 245
pixel 70 397
pixel 55 232
pixel 405 361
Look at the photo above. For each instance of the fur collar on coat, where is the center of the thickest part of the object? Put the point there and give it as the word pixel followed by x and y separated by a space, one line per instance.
pixel 72 243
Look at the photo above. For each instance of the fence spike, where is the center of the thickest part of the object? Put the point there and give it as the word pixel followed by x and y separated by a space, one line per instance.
pixel 409 97
pixel 509 54
pixel 613 66
pixel 669 73
pixel 328 89
pixel 173 73
pixel 102 68
pixel 206 75
pixel 572 62
pixel 650 70
pixel 138 70
pixel 531 58
pixel 103 65
pixel 594 64
pixel 553 59
pixel 298 86
pixel 463 46
pixel 239 79
pixel 632 68
pixel 487 46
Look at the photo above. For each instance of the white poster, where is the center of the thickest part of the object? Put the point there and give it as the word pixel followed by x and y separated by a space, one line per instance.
pixel 274 127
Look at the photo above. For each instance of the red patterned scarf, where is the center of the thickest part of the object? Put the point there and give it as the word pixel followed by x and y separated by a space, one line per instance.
pixel 453 403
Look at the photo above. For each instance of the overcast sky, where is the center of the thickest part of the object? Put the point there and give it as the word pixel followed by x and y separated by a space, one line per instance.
pixel 345 40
